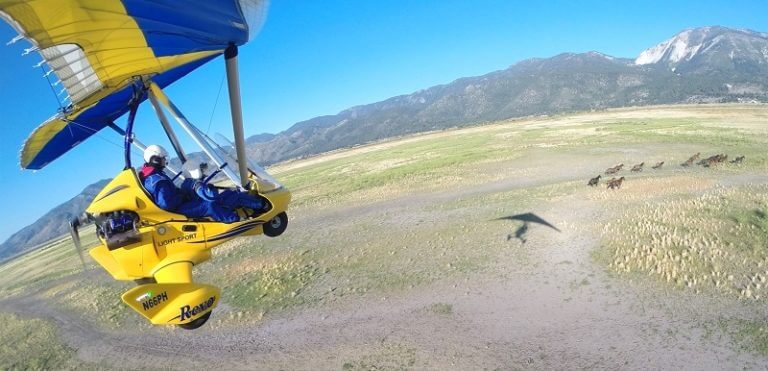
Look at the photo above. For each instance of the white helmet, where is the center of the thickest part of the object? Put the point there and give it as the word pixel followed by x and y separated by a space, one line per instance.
pixel 155 152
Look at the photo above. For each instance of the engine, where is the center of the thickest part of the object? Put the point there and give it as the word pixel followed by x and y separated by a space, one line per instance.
pixel 118 228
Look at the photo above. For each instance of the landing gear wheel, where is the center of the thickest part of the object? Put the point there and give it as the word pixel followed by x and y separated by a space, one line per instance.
pixel 277 225
pixel 196 323
pixel 145 281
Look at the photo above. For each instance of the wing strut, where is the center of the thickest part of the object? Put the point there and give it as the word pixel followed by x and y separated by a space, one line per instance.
pixel 168 130
pixel 194 133
pixel 129 132
pixel 139 145
pixel 233 85
pixel 136 143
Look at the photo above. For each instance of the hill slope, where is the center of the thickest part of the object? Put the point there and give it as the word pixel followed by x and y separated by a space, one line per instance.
pixel 54 223
pixel 711 64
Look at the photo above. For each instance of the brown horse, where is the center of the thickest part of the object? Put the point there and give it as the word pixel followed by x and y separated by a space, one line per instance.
pixel 712 160
pixel 593 182
pixel 690 161
pixel 614 170
pixel 615 183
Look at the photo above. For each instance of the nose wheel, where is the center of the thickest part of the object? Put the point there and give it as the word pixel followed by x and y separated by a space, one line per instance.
pixel 196 323
pixel 277 225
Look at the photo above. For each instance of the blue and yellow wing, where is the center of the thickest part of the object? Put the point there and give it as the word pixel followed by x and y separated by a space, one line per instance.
pixel 97 47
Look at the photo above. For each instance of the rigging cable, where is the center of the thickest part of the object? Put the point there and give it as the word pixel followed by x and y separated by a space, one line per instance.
pixel 98 135
pixel 214 105
pixel 61 106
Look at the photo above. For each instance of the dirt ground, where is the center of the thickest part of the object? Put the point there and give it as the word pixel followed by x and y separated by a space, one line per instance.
pixel 555 310
pixel 540 304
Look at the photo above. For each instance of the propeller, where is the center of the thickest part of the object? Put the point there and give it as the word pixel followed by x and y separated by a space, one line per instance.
pixel 74 224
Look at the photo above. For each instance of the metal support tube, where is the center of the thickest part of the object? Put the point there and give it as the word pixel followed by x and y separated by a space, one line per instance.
pixel 139 145
pixel 233 85
pixel 168 130
pixel 136 143
pixel 129 133
pixel 194 133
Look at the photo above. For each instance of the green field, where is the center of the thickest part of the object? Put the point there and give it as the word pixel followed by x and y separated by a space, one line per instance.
pixel 386 219
pixel 32 344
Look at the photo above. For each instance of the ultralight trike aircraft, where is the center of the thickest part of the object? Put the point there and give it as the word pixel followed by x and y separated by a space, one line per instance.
pixel 110 56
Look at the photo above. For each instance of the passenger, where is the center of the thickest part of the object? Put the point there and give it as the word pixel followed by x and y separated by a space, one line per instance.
pixel 199 201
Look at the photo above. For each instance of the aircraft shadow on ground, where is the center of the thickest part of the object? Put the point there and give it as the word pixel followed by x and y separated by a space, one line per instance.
pixel 527 219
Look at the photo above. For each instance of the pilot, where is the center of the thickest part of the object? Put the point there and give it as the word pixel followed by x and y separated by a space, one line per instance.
pixel 218 206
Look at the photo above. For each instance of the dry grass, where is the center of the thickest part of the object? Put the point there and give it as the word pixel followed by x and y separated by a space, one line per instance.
pixel 32 344
pixel 380 219
pixel 715 241
pixel 53 260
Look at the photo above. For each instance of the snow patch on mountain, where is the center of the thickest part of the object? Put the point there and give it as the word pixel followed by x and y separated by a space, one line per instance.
pixel 652 55
pixel 674 50
pixel 713 43
pixel 707 41
pixel 601 55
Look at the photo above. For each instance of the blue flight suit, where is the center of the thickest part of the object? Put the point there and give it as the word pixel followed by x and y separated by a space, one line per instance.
pixel 168 197
pixel 227 198
pixel 194 200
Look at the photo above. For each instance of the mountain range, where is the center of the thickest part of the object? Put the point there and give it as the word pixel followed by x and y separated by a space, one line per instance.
pixel 53 224
pixel 702 65
pixel 710 64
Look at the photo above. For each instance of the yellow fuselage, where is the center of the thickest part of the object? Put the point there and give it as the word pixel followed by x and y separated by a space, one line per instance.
pixel 169 246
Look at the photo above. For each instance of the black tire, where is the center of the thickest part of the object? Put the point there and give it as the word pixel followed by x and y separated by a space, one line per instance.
pixel 196 323
pixel 144 281
pixel 277 225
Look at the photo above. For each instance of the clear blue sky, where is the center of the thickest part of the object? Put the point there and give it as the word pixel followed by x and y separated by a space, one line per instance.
pixel 319 57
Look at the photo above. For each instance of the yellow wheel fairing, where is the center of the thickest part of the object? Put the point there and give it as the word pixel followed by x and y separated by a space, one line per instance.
pixel 172 303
